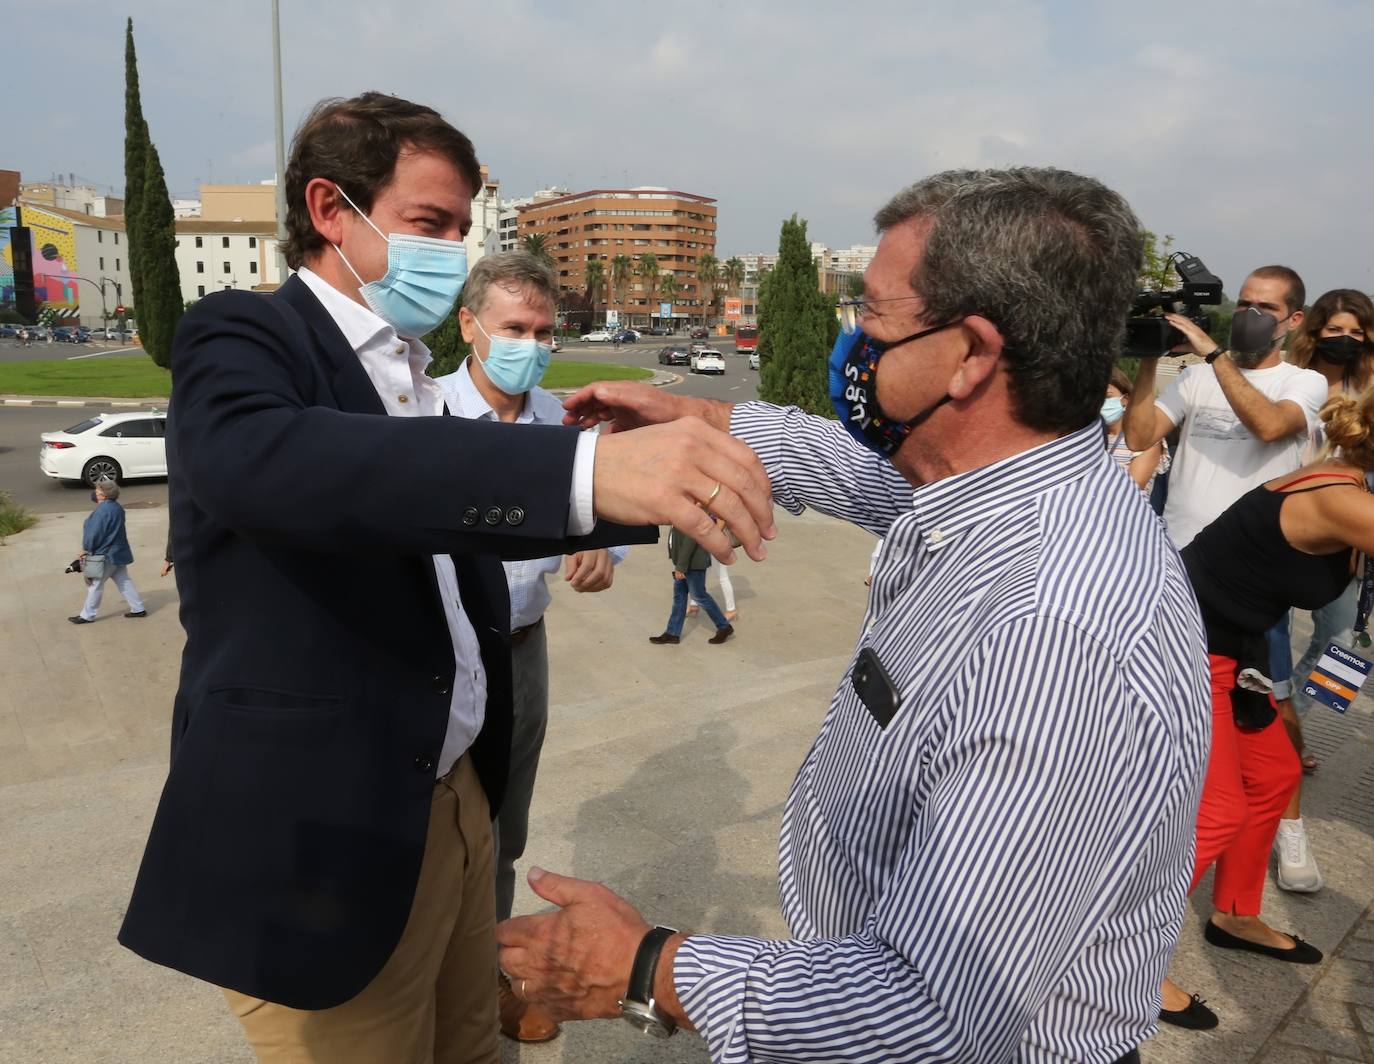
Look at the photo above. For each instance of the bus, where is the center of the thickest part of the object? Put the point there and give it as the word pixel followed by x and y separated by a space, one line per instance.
pixel 746 339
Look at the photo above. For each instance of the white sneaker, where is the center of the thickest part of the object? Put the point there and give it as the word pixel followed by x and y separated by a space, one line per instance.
pixel 1297 867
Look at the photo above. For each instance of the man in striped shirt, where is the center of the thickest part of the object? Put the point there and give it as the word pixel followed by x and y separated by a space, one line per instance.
pixel 986 852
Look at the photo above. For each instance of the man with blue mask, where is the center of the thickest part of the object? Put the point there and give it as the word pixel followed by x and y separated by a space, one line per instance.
pixel 507 317
pixel 986 851
pixel 341 734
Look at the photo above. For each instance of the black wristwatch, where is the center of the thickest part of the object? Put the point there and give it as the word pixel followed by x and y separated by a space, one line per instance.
pixel 637 1006
pixel 1215 354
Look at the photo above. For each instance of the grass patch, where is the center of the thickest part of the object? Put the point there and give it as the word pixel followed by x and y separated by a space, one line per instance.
pixel 137 377
pixel 576 374
pixel 13 517
pixel 128 377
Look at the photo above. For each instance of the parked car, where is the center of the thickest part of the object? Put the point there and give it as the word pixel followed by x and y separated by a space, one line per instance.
pixel 635 332
pixel 699 333
pixel 708 361
pixel 9 332
pixel 674 356
pixel 71 334
pixel 626 336
pixel 121 446
pixel 557 344
pixel 754 359
pixel 596 336
pixel 38 333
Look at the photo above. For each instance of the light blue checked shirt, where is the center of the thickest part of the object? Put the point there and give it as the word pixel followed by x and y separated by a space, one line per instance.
pixel 529 594
pixel 1000 872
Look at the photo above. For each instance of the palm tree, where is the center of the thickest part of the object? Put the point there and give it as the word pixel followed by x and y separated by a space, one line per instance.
pixel 647 268
pixel 622 271
pixel 733 274
pixel 536 245
pixel 708 270
pixel 596 282
pixel 669 287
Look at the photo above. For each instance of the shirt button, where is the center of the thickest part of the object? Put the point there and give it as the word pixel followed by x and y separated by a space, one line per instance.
pixel 403 398
pixel 471 516
pixel 440 685
pixel 424 763
pixel 515 515
pixel 936 536
pixel 494 515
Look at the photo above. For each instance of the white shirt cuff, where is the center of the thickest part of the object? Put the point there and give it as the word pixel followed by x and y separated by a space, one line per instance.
pixel 581 517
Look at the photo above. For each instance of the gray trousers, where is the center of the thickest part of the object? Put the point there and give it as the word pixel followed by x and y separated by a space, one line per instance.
pixel 530 688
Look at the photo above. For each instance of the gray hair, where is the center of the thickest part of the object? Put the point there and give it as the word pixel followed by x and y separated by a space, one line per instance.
pixel 519 270
pixel 1049 257
pixel 107 487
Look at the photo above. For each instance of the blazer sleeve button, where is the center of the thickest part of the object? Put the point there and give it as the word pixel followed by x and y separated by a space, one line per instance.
pixel 494 515
pixel 515 515
pixel 471 516
pixel 424 763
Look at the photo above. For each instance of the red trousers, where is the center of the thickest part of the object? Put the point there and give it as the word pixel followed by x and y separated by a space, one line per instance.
pixel 1251 774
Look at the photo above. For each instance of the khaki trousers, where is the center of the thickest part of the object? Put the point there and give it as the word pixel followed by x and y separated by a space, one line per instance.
pixel 434 1001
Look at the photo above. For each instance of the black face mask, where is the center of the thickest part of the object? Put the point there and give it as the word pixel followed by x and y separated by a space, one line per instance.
pixel 1339 350
pixel 1252 331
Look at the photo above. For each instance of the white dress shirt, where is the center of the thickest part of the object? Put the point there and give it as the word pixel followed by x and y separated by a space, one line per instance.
pixel 396 367
pixel 529 594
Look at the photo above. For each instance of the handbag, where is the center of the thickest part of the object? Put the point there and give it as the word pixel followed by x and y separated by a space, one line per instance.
pixel 96 567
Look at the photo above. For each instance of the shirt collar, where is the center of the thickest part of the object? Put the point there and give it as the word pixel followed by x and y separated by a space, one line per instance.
pixel 948 507
pixel 471 404
pixel 359 325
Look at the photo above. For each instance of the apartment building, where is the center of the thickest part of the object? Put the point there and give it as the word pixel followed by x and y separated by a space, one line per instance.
pixel 677 228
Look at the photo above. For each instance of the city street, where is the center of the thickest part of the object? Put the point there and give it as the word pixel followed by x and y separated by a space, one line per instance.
pixel 20 426
pixel 12 351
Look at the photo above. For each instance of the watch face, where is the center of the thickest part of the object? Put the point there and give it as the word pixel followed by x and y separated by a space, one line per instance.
pixel 644 1018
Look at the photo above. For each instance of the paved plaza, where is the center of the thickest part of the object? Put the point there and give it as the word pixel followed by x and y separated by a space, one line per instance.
pixel 663 775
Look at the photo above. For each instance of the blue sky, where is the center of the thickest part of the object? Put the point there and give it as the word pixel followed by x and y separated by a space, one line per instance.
pixel 1242 128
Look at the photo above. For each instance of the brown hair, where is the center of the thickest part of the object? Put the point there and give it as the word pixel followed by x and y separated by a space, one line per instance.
pixel 1121 382
pixel 1349 426
pixel 1297 291
pixel 1338 301
pixel 355 143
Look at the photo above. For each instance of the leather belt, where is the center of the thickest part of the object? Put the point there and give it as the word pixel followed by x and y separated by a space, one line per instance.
pixel 520 635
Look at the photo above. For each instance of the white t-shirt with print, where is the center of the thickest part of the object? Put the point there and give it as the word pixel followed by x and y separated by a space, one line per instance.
pixel 1218 459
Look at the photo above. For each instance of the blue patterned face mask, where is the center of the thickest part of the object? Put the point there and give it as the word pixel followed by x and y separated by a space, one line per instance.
pixel 423 278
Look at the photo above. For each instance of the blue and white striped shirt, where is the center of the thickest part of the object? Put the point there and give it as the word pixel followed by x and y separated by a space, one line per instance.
pixel 1000 873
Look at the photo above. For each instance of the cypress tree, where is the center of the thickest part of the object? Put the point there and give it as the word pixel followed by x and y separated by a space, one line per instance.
pixel 160 300
pixel 135 156
pixel 793 327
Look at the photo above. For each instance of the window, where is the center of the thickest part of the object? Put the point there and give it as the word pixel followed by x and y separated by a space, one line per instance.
pixel 200 267
pixel 252 267
pixel 200 241
pixel 99 236
pixel 116 238
pixel 226 267
pixel 226 240
pixel 200 289
pixel 116 265
pixel 130 430
pixel 102 263
pixel 252 241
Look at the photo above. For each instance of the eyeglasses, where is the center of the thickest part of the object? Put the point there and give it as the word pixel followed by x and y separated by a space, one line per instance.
pixel 851 310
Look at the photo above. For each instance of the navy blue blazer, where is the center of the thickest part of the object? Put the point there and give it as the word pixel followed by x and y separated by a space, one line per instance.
pixel 316 675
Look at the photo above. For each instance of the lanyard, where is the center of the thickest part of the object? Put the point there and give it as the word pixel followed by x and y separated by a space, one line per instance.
pixel 1362 611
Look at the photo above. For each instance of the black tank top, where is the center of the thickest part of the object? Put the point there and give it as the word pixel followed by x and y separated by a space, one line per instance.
pixel 1246 575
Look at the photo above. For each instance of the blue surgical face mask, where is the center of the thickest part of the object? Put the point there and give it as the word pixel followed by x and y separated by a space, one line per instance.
pixel 514 366
pixel 423 278
pixel 1112 409
pixel 854 390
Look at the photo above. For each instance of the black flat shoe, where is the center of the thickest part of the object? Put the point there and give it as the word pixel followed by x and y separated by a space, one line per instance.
pixel 78 620
pixel 1196 1017
pixel 666 637
pixel 1301 953
pixel 140 613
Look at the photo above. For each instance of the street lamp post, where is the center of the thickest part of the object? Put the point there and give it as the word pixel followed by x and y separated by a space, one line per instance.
pixel 119 295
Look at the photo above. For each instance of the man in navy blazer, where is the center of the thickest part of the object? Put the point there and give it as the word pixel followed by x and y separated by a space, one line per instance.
pixel 322 848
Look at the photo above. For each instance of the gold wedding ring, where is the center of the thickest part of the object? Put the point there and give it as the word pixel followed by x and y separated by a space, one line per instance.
pixel 712 497
pixel 521 995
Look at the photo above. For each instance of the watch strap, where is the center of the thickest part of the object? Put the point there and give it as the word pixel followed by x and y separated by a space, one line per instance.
pixel 1213 355
pixel 641 988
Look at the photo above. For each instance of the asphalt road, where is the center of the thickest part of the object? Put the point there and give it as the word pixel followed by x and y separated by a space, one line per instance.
pixel 12 351
pixel 20 426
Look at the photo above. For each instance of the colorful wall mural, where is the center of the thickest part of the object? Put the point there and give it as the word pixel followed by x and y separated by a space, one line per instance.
pixel 7 221
pixel 54 259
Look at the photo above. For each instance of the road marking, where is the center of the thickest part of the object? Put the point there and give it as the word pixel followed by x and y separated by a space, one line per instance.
pixel 97 354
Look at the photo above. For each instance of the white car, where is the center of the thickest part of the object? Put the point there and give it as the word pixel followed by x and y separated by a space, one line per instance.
pixel 600 336
pixel 754 359
pixel 707 361
pixel 121 446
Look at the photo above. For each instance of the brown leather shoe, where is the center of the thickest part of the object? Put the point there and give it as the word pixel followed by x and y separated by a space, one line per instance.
pixel 666 637
pixel 722 634
pixel 522 1021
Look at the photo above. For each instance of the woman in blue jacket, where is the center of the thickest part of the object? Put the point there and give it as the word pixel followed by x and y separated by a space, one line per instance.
pixel 103 535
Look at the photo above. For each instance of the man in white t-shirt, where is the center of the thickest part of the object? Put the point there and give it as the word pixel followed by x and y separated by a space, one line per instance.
pixel 1244 418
